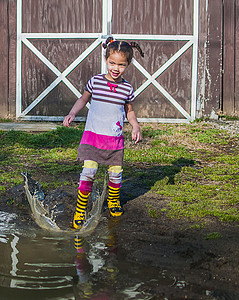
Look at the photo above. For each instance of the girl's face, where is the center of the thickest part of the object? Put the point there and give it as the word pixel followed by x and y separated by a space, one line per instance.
pixel 116 66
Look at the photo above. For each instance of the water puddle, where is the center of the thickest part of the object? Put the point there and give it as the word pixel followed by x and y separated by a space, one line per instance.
pixel 37 264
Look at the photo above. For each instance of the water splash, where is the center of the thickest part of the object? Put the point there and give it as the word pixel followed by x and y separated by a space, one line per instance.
pixel 46 219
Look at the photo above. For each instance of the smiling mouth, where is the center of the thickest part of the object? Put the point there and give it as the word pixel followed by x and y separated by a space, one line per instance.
pixel 115 74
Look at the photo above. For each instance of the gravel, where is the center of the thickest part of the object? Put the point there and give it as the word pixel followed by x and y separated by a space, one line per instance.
pixel 232 127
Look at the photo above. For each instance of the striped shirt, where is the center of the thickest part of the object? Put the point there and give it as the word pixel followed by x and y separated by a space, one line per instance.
pixel 106 91
pixel 104 124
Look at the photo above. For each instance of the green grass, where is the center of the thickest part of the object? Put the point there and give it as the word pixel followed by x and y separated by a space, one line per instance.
pixel 150 132
pixel 212 191
pixel 158 154
pixel 214 136
pixel 61 137
pixel 193 166
pixel 201 181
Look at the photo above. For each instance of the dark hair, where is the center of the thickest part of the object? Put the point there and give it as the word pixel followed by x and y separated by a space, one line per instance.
pixel 120 46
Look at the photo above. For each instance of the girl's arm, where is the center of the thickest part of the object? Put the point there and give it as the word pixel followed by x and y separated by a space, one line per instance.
pixel 130 115
pixel 80 103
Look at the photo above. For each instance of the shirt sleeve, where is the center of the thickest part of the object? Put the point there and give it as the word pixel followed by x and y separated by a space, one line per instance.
pixel 89 85
pixel 131 96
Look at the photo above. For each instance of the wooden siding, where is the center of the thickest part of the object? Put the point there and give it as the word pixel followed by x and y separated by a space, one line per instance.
pixel 210 60
pixel 61 16
pixel 230 58
pixel 12 37
pixel 153 17
pixel 4 58
pixel 237 59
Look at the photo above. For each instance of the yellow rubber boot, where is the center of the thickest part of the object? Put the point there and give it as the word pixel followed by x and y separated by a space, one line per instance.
pixel 79 216
pixel 113 202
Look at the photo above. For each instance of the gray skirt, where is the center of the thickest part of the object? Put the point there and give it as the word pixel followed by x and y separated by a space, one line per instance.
pixel 104 157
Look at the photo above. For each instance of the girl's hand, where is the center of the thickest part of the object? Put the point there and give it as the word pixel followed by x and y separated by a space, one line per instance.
pixel 130 114
pixel 136 135
pixel 68 119
pixel 80 103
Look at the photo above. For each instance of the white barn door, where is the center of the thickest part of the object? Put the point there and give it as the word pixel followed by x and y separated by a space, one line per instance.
pixel 190 42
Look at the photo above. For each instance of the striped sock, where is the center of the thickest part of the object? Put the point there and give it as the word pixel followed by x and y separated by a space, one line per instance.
pixel 79 243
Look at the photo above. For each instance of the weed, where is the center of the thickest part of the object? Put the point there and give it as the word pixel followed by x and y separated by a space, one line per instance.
pixel 10 201
pixel 229 118
pixel 197 226
pixel 55 184
pixel 152 212
pixel 213 236
pixel 5 120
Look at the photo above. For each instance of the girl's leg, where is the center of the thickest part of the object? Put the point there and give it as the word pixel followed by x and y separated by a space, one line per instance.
pixel 85 187
pixel 115 178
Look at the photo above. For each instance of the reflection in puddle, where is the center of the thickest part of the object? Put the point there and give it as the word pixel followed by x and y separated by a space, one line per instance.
pixel 35 264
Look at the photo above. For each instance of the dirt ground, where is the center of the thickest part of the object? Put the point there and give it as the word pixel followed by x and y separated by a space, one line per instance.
pixel 206 269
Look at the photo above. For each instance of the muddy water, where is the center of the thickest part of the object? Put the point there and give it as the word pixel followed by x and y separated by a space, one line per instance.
pixel 36 264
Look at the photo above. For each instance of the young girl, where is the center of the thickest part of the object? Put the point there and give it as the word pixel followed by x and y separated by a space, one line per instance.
pixel 102 141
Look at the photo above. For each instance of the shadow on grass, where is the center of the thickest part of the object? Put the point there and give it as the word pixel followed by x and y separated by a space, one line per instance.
pixel 139 179
pixel 13 140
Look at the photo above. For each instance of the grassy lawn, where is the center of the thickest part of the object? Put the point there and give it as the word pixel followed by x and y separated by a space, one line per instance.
pixel 194 166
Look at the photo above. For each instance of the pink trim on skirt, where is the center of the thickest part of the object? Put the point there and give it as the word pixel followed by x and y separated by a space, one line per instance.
pixel 104 142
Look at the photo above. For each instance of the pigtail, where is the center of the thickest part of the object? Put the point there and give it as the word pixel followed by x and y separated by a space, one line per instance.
pixel 110 45
pixel 137 46
pixel 109 40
